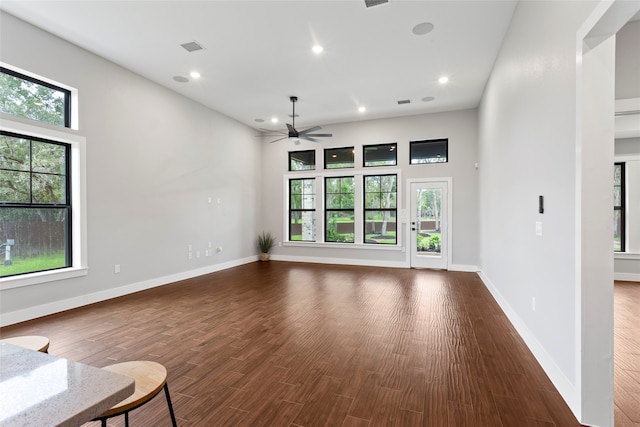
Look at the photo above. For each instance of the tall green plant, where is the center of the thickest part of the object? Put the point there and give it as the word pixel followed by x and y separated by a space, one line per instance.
pixel 265 242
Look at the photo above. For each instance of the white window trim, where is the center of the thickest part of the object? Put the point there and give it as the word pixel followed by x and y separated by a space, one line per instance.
pixel 78 203
pixel 358 175
pixel 74 95
pixel 625 255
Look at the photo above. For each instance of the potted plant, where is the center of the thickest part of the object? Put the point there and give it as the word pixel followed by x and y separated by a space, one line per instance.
pixel 265 242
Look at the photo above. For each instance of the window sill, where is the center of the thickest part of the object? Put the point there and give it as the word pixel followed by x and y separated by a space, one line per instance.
pixel 378 247
pixel 626 255
pixel 41 277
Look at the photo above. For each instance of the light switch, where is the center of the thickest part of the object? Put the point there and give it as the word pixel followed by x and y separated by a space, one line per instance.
pixel 538 228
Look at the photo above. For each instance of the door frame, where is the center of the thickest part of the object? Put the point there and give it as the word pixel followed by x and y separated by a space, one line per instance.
pixel 449 181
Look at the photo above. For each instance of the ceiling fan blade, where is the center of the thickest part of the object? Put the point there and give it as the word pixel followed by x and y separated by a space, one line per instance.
pixel 281 132
pixel 279 139
pixel 291 128
pixel 308 138
pixel 319 135
pixel 313 129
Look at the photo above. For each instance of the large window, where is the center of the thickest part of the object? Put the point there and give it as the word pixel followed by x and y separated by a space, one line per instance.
pixel 339 205
pixel 302 209
pixel 380 209
pixel 380 155
pixel 34 99
pixel 429 151
pixel 35 204
pixel 619 208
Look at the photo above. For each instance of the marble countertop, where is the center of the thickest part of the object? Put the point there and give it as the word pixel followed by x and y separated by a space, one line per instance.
pixel 38 389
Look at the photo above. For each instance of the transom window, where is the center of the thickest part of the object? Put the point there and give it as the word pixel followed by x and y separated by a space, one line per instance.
pixel 336 158
pixel 302 160
pixel 35 204
pixel 381 155
pixel 429 151
pixel 34 99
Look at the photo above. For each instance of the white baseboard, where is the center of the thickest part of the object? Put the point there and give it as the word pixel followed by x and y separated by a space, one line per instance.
pixel 30 313
pixel 340 261
pixel 364 262
pixel 627 277
pixel 564 386
pixel 463 267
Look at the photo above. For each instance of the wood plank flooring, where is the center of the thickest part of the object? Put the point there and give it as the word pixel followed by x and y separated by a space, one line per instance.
pixel 626 341
pixel 302 345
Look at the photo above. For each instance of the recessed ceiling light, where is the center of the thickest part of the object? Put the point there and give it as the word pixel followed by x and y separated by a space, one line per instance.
pixel 428 99
pixel 443 80
pixel 422 28
pixel 317 49
pixel 362 109
pixel 274 120
pixel 258 120
pixel 195 75
pixel 180 79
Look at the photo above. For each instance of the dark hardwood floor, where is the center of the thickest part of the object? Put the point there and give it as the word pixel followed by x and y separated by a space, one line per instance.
pixel 300 345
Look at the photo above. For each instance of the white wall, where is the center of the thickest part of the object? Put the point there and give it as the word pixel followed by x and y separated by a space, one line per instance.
pixel 628 61
pixel 461 129
pixel 527 140
pixel 153 160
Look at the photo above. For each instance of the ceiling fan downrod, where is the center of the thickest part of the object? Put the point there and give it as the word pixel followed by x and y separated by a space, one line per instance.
pixel 293 100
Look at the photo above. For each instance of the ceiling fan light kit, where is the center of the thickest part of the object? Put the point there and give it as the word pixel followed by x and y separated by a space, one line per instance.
pixel 296 135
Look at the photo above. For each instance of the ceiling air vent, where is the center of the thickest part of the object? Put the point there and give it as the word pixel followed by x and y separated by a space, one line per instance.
pixel 404 101
pixel 371 3
pixel 192 46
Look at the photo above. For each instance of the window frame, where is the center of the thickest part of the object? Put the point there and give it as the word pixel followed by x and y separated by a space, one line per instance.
pixel 303 151
pixel 412 144
pixel 359 244
pixel 326 151
pixel 365 209
pixel 64 205
pixel 78 222
pixel 67 94
pixel 364 154
pixel 301 210
pixel 621 208
pixel 328 210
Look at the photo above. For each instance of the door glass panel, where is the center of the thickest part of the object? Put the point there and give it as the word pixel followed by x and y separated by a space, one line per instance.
pixel 428 221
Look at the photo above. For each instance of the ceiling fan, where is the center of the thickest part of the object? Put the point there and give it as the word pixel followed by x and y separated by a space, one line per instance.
pixel 292 133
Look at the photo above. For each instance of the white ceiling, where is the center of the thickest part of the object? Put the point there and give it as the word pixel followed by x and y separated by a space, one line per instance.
pixel 258 53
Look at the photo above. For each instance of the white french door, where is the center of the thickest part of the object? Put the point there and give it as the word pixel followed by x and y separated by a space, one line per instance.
pixel 429 224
